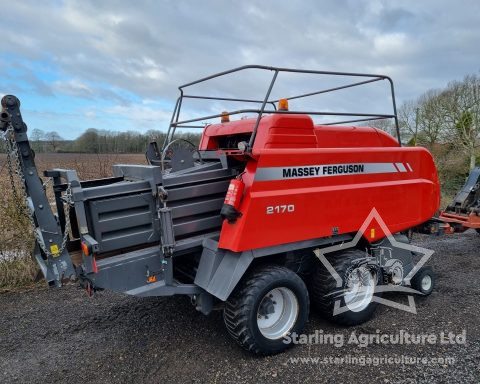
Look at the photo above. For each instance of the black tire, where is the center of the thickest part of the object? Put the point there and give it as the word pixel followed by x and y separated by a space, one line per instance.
pixel 323 288
pixel 241 308
pixel 423 273
pixel 478 230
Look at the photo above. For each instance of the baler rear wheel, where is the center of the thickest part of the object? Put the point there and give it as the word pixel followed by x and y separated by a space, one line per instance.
pixel 270 303
pixel 354 297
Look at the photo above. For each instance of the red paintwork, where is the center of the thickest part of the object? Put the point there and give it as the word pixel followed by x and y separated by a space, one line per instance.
pixel 403 199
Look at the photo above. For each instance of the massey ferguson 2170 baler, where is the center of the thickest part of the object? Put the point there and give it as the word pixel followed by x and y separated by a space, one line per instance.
pixel 238 222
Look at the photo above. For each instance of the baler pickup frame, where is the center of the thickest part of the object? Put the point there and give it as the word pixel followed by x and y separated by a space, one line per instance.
pixel 266 100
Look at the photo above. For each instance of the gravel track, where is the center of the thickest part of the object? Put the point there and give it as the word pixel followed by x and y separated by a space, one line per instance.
pixel 60 335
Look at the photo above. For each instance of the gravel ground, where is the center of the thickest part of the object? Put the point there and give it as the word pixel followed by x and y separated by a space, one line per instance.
pixel 63 336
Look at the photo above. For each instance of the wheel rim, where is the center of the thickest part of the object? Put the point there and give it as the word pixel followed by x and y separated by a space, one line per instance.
pixel 359 288
pixel 277 313
pixel 426 283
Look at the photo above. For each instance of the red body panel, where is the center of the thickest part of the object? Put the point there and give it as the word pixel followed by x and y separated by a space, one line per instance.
pixel 348 172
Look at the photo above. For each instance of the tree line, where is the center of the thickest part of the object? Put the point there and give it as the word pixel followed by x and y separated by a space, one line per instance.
pixel 101 141
pixel 446 121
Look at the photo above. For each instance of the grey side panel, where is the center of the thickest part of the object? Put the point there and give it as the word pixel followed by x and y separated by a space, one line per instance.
pixel 114 189
pixel 173 179
pixel 196 205
pixel 128 271
pixel 193 243
pixel 195 225
pixel 231 269
pixel 220 270
pixel 324 241
pixel 209 262
pixel 201 206
pixel 128 274
pixel 123 212
pixel 198 190
pixel 124 221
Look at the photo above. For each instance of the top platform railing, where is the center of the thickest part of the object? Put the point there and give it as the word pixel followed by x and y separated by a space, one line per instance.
pixel 352 117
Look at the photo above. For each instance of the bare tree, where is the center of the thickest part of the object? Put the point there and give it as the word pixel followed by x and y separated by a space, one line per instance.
pixel 462 113
pixel 53 139
pixel 407 118
pixel 36 137
pixel 429 118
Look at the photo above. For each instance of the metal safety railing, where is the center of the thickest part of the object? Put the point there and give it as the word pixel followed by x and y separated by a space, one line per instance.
pixel 355 116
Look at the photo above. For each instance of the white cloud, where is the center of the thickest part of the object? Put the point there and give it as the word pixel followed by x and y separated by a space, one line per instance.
pixel 108 49
pixel 139 116
pixel 73 87
pixel 389 43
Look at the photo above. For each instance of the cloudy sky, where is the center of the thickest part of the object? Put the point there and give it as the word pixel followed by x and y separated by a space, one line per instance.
pixel 117 64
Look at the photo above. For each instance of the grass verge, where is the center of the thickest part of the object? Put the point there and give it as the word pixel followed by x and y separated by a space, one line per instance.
pixel 17 273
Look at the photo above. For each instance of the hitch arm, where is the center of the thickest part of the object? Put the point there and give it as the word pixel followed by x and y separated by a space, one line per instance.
pixel 50 250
